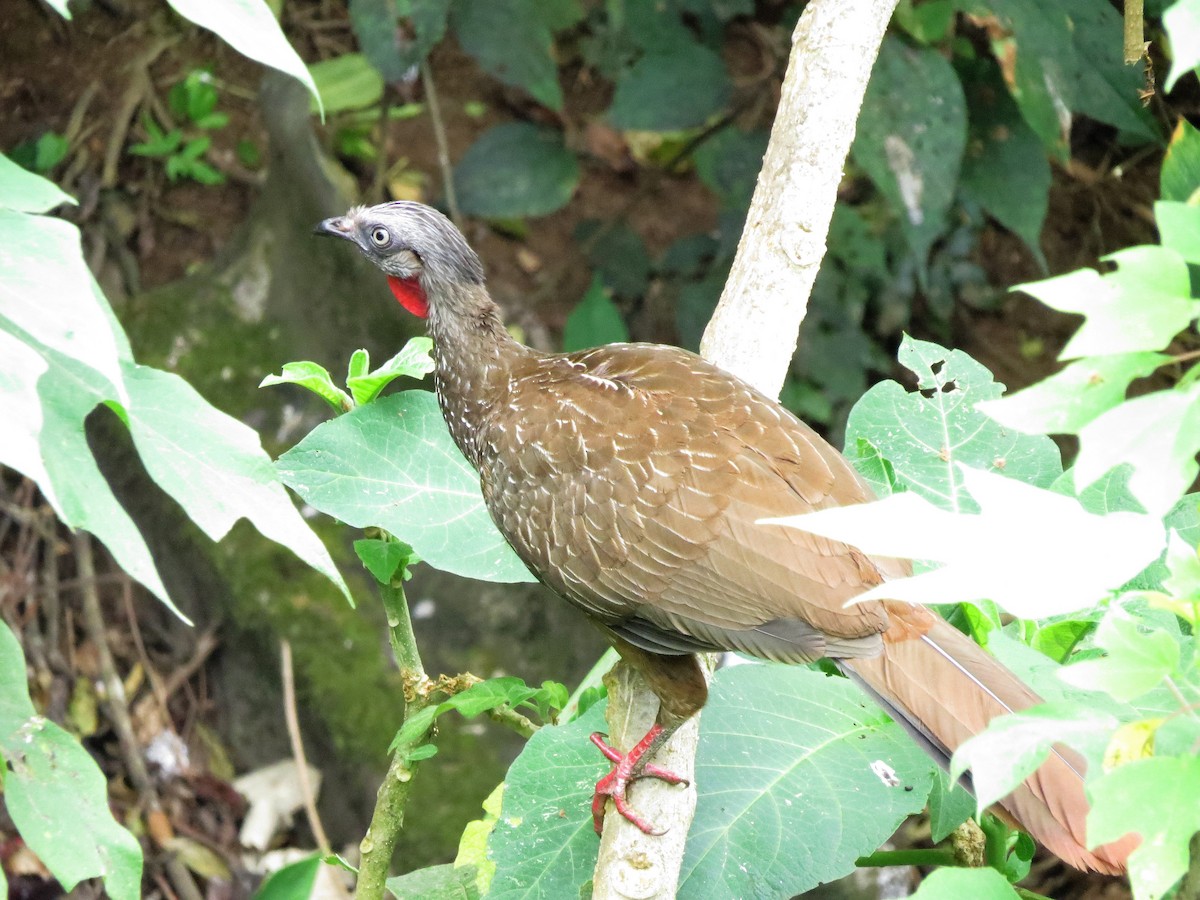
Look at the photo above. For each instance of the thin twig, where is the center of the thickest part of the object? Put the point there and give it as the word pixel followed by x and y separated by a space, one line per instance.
pixel 293 728
pixel 113 695
pixel 439 136
pixel 1135 38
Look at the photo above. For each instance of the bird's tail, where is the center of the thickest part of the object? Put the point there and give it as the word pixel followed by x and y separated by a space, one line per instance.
pixel 945 688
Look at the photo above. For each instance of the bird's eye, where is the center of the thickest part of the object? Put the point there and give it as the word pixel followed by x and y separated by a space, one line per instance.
pixel 380 236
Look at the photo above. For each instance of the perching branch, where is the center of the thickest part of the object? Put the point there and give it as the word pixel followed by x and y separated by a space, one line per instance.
pixel 753 334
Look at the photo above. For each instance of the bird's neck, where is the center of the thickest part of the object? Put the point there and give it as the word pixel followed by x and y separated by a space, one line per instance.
pixel 474 356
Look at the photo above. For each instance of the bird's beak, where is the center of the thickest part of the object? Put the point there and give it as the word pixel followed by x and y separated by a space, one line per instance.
pixel 336 227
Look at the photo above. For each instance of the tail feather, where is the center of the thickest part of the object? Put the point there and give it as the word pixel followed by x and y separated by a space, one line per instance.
pixel 944 688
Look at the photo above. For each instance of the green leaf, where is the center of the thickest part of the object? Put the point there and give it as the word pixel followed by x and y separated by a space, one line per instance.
pixel 594 321
pixel 618 255
pixel 507 690
pixel 445 882
pixel 1179 179
pixel 1069 558
pixel 55 793
pixel 931 430
pixel 214 466
pixel 728 164
pixel 392 464
pixel 346 82
pixel 384 558
pixel 1136 660
pixel 413 361
pixel 1070 399
pixel 1062 58
pixel 292 882
pixel 516 169
pixel 1178 224
pixel 316 378
pixel 26 192
pixel 672 90
pixel 911 137
pixel 1006 752
pixel 472 846
pixel 1058 640
pixel 512 40
pixel 1183 563
pixel 360 364
pixel 950 883
pixel 1005 169
pixel 1159 799
pixel 1140 306
pixel 1182 23
pixel 784 751
pixel 1158 434
pixel 250 28
pixel 950 804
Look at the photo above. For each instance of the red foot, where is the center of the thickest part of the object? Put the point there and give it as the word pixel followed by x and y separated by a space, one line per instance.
pixel 629 768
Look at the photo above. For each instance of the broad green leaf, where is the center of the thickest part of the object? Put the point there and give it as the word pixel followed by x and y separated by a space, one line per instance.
pixel 788 752
pixel 472 846
pixel 47 295
pixel 445 882
pixel 1182 23
pixel 911 136
pixel 25 192
pixel 1058 640
pixel 512 40
pixel 250 28
pixel 316 378
pixel 1062 58
pixel 1005 169
pixel 384 559
pixel 1183 563
pixel 1069 558
pixel 392 464
pixel 949 883
pixel 346 82
pixel 670 90
pixel 1158 799
pixel 1070 399
pixel 785 777
pixel 214 466
pixel 618 256
pixel 1180 177
pixel 413 361
pixel 55 793
pixel 1012 747
pixel 292 882
pixel 516 169
pixel 44 398
pixel 507 690
pixel 1179 228
pixel 1157 434
pixel 1140 306
pixel 728 164
pixel 375 26
pixel 925 434
pixel 595 321
pixel 950 804
pixel 1135 662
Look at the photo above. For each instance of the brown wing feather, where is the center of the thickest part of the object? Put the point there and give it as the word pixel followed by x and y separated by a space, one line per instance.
pixel 635 517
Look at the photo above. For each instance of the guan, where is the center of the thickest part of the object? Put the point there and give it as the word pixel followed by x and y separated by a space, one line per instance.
pixel 630 480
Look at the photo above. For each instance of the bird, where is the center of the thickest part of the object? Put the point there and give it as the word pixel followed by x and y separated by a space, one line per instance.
pixel 631 479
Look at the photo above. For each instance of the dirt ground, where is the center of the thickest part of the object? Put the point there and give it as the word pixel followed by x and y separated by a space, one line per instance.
pixel 89 79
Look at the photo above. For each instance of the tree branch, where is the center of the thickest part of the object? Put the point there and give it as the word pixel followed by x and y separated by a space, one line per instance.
pixel 753 334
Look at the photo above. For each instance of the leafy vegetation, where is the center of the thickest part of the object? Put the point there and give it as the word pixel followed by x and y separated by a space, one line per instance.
pixel 1081 574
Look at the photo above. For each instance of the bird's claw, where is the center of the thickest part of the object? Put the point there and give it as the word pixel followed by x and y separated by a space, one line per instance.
pixel 628 768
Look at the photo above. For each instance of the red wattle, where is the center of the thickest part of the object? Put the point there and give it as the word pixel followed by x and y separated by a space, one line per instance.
pixel 410 294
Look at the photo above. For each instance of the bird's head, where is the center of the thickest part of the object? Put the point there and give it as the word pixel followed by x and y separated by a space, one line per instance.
pixel 419 249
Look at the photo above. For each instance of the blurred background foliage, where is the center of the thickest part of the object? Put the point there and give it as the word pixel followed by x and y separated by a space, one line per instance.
pixel 967 118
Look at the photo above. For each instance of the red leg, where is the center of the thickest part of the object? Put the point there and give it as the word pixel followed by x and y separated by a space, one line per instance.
pixel 629 767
